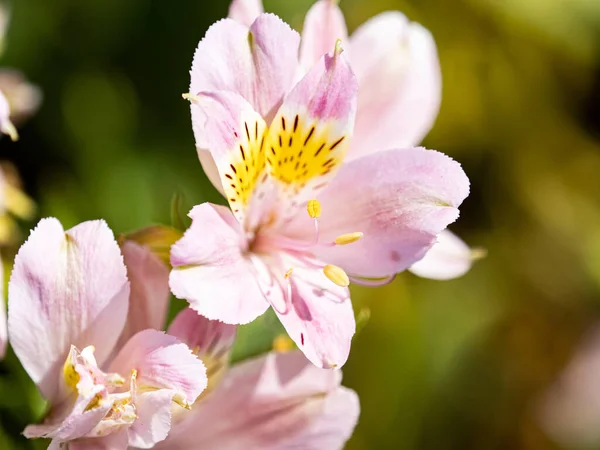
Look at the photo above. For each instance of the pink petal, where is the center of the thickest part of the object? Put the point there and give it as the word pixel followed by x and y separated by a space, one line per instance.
pixel 210 340
pixel 308 138
pixel 449 258
pixel 210 270
pixel 6 126
pixel 162 362
pixel 319 317
pixel 398 72
pixel 154 419
pixel 3 330
pixel 400 199
pixel 570 410
pixel 245 11
pixel 278 401
pixel 114 441
pixel 149 299
pixel 78 421
pixel 323 26
pixel 259 64
pixel 201 334
pixel 65 289
pixel 236 135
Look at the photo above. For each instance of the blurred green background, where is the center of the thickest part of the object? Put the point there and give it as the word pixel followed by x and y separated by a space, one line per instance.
pixel 440 365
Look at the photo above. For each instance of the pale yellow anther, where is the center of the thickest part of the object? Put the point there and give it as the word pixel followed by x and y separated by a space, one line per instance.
pixel 336 275
pixel 190 97
pixel 478 253
pixel 338 47
pixel 179 398
pixel 9 129
pixel 348 238
pixel 283 343
pixel 289 273
pixel 314 208
pixel 133 374
pixel 70 375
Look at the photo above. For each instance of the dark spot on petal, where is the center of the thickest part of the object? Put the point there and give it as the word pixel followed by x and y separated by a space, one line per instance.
pixel 336 143
pixel 302 338
pixel 319 150
pixel 395 256
pixel 310 133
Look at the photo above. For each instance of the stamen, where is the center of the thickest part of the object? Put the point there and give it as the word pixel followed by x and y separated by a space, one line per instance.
pixel 289 273
pixel 336 275
pixel 348 238
pixel 338 47
pixel 191 97
pixel 314 208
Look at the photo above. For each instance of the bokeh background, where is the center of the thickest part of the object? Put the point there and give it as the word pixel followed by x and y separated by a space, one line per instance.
pixel 440 365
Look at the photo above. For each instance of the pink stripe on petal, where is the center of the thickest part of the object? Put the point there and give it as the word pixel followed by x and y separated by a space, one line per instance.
pixel 399 78
pixel 66 288
pixel 210 270
pixel 245 11
pixel 323 26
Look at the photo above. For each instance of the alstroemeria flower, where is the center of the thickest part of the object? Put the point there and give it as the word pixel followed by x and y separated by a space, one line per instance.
pixel 302 223
pixel 68 305
pixel 399 95
pixel 276 401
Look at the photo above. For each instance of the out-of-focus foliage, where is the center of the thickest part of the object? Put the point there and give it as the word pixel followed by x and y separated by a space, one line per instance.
pixel 440 365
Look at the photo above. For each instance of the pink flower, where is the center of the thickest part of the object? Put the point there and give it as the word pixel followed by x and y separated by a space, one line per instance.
pixel 306 220
pixel 68 305
pixel 276 401
pixel 570 410
pixel 399 94
pixel 6 126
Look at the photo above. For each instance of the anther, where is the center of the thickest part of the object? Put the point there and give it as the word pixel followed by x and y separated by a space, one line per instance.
pixel 289 273
pixel 336 275
pixel 338 47
pixel 348 238
pixel 314 208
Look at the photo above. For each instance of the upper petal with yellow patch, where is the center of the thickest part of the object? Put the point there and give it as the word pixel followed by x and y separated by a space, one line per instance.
pixel 310 134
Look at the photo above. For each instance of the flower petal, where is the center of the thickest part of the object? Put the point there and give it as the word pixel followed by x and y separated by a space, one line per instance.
pixel 319 317
pixel 399 199
pixel 399 78
pixel 210 271
pixel 449 258
pixel 6 126
pixel 114 441
pixel 323 26
pixel 78 421
pixel 154 419
pixel 3 330
pixel 236 135
pixel 259 64
pixel 277 401
pixel 162 362
pixel 149 299
pixel 65 289
pixel 310 134
pixel 245 11
pixel 210 340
